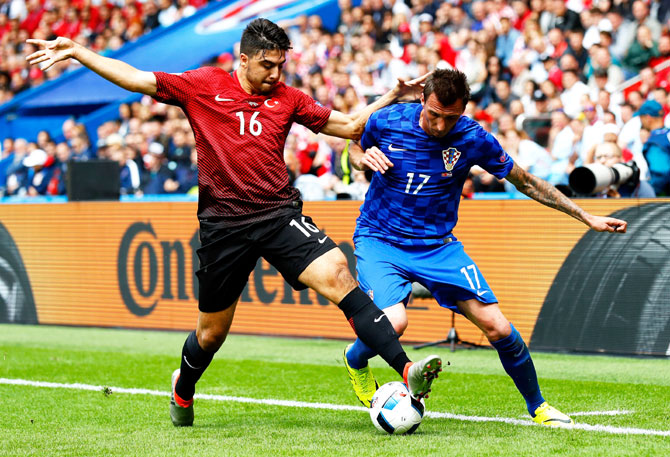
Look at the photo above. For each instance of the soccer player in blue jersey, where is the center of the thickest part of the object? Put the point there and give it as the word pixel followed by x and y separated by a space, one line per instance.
pixel 422 154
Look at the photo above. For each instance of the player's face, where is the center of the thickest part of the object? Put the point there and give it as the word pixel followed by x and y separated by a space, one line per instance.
pixel 436 119
pixel 263 70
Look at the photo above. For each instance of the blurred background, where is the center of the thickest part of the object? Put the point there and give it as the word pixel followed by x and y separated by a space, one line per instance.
pixel 553 80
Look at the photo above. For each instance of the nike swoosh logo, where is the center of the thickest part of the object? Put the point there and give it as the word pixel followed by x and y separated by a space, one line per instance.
pixel 219 99
pixel 564 421
pixel 380 317
pixel 322 240
pixel 481 292
pixel 185 360
pixel 391 148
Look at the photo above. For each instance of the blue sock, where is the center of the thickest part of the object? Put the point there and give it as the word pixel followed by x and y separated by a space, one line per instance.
pixel 516 360
pixel 359 354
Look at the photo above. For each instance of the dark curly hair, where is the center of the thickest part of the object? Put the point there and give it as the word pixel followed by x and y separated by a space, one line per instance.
pixel 448 86
pixel 262 35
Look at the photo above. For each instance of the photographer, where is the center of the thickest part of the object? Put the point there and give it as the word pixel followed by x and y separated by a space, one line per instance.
pixel 609 154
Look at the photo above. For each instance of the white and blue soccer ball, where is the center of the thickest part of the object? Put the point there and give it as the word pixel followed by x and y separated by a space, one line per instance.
pixel 394 411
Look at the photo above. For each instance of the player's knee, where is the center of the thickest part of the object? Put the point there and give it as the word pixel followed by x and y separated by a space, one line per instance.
pixel 399 325
pixel 211 338
pixel 496 329
pixel 342 278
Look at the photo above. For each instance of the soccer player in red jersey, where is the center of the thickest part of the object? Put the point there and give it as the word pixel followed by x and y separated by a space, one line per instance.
pixel 246 207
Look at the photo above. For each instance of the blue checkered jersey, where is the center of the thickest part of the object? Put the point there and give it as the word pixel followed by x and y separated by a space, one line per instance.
pixel 416 201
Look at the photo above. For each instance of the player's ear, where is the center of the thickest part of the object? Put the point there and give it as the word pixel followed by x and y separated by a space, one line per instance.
pixel 244 60
pixel 423 100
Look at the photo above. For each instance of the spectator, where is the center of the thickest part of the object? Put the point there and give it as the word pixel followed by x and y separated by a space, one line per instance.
pixel 641 51
pixel 593 128
pixel 187 174
pixel 657 148
pixel 81 148
pixel 663 55
pixel 523 13
pixel 592 21
pixel 574 89
pixel 562 140
pixel 507 38
pixel 521 76
pixel 6 159
pixel 41 170
pixel 600 81
pixel 151 12
pixel 641 14
pixel 129 173
pixel 494 72
pixel 528 154
pixel 623 33
pixel 468 188
pixel 485 182
pixel 560 17
pixel 503 94
pixel 605 103
pixel 17 174
pixel 576 48
pixel 58 183
pixel 557 42
pixel 179 150
pixel 158 178
pixel 540 103
pixel 168 13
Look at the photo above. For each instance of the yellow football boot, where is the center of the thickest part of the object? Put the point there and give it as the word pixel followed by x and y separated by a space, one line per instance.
pixel 363 381
pixel 551 417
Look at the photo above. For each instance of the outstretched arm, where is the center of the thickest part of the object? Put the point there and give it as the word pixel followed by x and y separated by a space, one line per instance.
pixel 120 73
pixel 352 125
pixel 540 190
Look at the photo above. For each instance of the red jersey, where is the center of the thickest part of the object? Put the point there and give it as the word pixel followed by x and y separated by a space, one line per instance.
pixel 240 138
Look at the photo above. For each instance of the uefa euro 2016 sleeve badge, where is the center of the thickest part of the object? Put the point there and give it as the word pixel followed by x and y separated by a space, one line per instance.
pixel 450 157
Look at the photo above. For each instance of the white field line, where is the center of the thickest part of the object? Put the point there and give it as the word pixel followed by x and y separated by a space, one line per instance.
pixel 615 412
pixel 301 404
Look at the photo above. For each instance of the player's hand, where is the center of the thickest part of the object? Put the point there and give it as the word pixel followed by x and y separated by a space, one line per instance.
pixel 607 224
pixel 374 159
pixel 50 52
pixel 410 90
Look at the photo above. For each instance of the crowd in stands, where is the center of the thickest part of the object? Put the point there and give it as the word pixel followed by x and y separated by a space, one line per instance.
pixel 552 79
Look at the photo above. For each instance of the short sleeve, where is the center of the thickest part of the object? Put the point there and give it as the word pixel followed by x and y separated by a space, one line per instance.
pixel 494 159
pixel 309 112
pixel 369 137
pixel 177 89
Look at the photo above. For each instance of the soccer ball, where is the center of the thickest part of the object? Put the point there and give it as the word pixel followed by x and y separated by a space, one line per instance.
pixel 394 411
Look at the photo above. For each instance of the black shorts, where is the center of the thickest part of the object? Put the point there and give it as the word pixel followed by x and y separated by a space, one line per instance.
pixel 229 254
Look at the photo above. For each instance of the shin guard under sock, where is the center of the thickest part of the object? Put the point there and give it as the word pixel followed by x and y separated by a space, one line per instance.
pixel 373 328
pixel 194 362
pixel 516 360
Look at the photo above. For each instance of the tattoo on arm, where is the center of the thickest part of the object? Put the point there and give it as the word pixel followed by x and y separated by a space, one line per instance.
pixel 540 190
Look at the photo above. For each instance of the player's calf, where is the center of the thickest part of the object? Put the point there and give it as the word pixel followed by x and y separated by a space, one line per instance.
pixel 373 327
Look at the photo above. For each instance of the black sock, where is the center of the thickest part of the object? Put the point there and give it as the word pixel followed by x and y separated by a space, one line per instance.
pixel 373 328
pixel 194 362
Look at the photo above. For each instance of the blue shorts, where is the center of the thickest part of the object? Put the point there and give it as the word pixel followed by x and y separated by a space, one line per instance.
pixel 386 272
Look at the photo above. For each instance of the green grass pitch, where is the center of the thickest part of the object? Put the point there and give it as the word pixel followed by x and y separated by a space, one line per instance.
pixel 622 405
